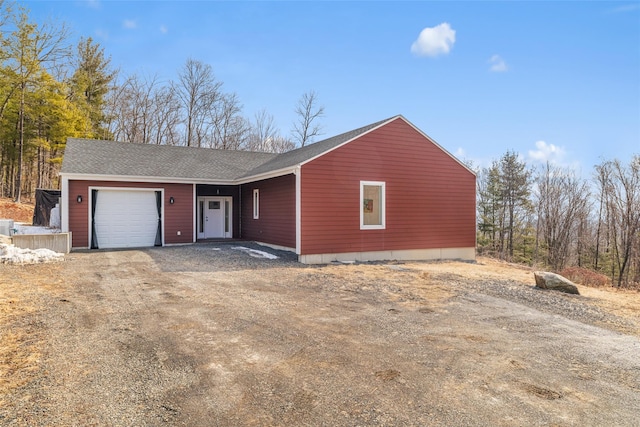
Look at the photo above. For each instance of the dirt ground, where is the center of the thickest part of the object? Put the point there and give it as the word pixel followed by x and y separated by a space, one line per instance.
pixel 207 335
pixel 19 212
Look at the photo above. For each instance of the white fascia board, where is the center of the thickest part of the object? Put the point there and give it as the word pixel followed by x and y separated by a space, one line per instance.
pixel 273 174
pixel 349 140
pixel 437 145
pixel 154 179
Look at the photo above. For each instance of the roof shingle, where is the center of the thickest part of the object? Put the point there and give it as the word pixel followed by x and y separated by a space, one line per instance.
pixel 98 157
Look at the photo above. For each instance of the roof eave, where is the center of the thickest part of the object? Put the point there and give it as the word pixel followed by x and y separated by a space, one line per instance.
pixel 130 178
pixel 266 175
pixel 348 141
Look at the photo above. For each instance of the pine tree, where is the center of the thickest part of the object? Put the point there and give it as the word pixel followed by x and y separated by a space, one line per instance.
pixel 515 181
pixel 90 84
pixel 28 48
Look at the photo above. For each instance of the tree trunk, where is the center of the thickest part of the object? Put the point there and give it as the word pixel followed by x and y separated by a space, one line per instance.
pixel 20 146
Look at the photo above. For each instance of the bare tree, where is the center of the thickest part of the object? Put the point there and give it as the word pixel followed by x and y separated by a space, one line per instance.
pixel 562 200
pixel 622 197
pixel 229 129
pixel 306 126
pixel 166 117
pixel 263 130
pixel 149 112
pixel 126 106
pixel 144 111
pixel 601 178
pixel 114 101
pixel 279 144
pixel 265 136
pixel 198 90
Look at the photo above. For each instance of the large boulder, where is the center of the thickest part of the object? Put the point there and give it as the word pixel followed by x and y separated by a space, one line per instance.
pixel 556 282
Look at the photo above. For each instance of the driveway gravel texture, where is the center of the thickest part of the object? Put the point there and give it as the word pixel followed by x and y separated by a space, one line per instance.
pixel 209 335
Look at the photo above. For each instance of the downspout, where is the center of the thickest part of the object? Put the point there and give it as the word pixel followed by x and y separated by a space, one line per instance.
pixel 240 211
pixel 194 203
pixel 298 173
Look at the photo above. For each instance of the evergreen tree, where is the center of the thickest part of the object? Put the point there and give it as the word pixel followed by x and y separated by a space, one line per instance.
pixel 54 118
pixel 90 84
pixel 489 207
pixel 515 181
pixel 28 48
pixel 503 206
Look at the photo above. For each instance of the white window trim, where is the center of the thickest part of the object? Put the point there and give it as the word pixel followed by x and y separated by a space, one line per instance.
pixel 256 203
pixel 383 214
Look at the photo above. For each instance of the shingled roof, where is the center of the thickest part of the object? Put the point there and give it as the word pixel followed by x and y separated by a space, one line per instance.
pixel 110 158
pixel 96 157
pixel 301 155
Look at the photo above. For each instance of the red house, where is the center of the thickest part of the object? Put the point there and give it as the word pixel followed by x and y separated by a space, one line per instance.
pixel 381 192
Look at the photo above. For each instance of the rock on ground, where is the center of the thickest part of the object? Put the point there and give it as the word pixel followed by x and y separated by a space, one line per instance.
pixel 556 282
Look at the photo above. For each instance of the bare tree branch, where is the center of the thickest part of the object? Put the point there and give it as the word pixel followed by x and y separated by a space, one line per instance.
pixel 306 127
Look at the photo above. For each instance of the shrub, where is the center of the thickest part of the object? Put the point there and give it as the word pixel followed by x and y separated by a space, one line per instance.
pixel 586 277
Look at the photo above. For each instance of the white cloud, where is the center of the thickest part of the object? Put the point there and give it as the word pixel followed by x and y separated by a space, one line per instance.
pixel 497 64
pixel 129 24
pixel 434 41
pixel 459 152
pixel 547 153
pixel 164 29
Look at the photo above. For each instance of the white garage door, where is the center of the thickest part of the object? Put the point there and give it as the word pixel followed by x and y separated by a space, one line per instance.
pixel 125 218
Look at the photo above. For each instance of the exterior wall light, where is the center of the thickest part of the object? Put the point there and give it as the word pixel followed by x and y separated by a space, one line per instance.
pixel 79 198
pixel 171 200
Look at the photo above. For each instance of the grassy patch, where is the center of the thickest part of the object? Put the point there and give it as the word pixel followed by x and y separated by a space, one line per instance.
pixel 21 338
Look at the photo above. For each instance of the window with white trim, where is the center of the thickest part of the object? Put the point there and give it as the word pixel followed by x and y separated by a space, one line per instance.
pixel 372 205
pixel 256 203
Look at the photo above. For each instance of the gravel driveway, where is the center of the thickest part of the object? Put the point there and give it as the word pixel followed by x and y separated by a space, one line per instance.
pixel 210 335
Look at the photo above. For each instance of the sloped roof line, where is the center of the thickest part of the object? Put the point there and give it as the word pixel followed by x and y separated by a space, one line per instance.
pixel 98 157
pixel 303 155
pixel 306 154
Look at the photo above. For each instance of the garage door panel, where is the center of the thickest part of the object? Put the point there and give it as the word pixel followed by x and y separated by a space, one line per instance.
pixel 126 218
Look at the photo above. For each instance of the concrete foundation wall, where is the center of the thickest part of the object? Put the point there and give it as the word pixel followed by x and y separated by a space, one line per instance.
pixel 58 242
pixel 465 254
pixel 6 227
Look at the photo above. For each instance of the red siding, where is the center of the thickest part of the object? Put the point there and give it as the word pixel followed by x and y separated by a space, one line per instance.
pixel 430 198
pixel 180 215
pixel 177 217
pixel 277 222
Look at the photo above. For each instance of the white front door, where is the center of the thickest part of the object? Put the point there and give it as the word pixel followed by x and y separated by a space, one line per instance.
pixel 214 217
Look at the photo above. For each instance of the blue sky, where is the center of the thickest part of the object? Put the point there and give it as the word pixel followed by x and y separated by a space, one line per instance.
pixel 557 81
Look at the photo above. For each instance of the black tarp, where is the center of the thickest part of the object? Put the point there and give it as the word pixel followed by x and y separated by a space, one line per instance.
pixel 159 206
pixel 45 201
pixel 94 202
